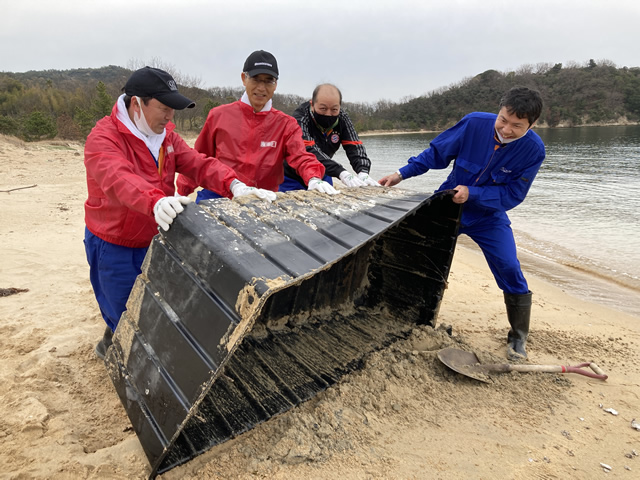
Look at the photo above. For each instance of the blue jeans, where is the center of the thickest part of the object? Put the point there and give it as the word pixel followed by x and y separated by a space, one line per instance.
pixel 112 270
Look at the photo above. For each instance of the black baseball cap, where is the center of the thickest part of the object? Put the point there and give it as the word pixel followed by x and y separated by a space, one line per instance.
pixel 261 62
pixel 158 84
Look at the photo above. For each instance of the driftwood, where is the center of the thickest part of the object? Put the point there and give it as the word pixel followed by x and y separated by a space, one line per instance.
pixel 19 188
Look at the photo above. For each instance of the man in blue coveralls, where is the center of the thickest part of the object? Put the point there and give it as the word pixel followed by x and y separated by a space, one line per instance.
pixel 496 158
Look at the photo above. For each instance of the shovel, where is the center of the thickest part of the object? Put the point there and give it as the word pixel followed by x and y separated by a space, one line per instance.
pixel 467 364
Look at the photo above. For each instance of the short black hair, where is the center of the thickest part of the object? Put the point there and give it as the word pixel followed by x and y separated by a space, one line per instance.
pixel 127 101
pixel 524 102
pixel 316 90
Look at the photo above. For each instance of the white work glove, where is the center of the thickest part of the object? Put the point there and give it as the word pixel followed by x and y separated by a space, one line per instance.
pixel 350 180
pixel 321 186
pixel 368 180
pixel 239 189
pixel 168 208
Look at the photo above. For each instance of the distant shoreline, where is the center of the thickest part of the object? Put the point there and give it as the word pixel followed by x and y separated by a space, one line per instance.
pixel 369 133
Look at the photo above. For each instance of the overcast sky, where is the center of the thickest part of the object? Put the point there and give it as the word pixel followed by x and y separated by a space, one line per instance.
pixel 371 49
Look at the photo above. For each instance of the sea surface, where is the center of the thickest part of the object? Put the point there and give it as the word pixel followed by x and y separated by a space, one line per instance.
pixel 579 227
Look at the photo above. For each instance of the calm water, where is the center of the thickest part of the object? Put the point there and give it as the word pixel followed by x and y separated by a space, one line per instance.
pixel 579 227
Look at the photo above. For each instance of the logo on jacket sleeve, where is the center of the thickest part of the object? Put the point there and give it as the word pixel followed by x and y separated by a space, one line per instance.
pixel 272 144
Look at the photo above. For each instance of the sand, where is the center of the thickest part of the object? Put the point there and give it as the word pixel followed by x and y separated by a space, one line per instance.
pixel 404 416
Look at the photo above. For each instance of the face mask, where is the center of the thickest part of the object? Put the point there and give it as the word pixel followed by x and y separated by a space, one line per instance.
pixel 506 140
pixel 325 121
pixel 141 122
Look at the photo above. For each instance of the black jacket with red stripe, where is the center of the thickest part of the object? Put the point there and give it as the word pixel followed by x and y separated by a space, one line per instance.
pixel 325 145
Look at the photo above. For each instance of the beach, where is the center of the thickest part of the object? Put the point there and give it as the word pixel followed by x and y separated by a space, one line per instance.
pixel 403 416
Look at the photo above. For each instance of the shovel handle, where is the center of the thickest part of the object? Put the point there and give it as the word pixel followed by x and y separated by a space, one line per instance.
pixel 597 371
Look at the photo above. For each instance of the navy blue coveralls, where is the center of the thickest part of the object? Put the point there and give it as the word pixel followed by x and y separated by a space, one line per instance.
pixel 498 177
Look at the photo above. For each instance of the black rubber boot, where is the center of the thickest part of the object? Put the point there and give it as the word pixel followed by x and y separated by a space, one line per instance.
pixel 519 314
pixel 104 344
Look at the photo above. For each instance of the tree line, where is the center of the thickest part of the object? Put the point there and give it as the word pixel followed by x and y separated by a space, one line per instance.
pixel 594 93
pixel 67 103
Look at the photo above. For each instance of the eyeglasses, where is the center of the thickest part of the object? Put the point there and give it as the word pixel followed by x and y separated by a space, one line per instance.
pixel 267 82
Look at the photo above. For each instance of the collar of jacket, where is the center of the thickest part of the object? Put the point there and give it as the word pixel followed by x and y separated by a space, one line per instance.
pixel 245 99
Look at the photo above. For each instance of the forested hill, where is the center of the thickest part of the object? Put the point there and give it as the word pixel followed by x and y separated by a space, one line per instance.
pixel 67 103
pixel 575 95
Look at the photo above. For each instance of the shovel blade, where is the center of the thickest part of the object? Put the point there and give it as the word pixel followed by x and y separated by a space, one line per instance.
pixel 465 363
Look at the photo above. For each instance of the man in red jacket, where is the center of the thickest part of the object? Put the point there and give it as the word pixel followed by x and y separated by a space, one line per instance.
pixel 131 158
pixel 254 138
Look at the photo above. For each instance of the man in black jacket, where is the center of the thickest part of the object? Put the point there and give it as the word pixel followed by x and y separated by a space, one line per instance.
pixel 325 126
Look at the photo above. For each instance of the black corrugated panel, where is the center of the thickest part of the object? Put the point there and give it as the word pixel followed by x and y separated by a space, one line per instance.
pixel 245 309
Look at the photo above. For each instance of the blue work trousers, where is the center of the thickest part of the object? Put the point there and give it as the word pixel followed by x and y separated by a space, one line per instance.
pixel 205 194
pixel 290 184
pixel 112 270
pixel 287 185
pixel 499 248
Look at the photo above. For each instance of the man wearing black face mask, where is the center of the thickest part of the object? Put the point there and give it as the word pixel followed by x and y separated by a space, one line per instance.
pixel 325 126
